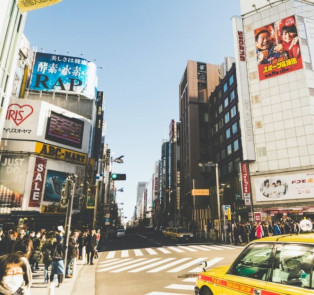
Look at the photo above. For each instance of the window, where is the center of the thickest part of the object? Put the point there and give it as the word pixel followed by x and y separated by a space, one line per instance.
pixel 222 154
pixel 231 80
pixel 216 114
pixel 236 145
pixel 216 128
pixel 220 108
pixel 219 94
pixel 233 111
pixel 292 265
pixel 221 122
pixel 227 117
pixel 235 128
pixel 205 117
pixel 226 102
pixel 225 87
pixel 229 149
pixel 230 167
pixel 228 133
pixel 253 262
pixel 232 96
pixel 222 137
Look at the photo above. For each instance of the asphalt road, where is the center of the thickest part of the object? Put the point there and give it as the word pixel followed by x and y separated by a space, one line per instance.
pixel 145 263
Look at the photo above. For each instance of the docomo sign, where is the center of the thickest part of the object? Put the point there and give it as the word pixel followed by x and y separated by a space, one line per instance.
pixel 241 46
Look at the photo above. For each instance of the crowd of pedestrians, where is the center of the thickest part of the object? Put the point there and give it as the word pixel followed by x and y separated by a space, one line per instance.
pixel 239 233
pixel 21 252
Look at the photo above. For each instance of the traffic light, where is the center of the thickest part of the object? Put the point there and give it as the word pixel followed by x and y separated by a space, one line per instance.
pixel 115 176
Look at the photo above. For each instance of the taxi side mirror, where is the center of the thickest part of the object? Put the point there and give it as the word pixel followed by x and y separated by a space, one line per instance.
pixel 203 265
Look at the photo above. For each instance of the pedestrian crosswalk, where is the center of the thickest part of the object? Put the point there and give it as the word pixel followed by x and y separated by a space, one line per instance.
pixel 168 250
pixel 187 285
pixel 154 265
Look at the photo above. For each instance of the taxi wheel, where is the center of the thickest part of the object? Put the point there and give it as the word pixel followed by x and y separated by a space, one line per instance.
pixel 206 291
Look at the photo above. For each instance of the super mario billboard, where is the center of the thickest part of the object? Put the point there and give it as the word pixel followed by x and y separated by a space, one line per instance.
pixel 277 48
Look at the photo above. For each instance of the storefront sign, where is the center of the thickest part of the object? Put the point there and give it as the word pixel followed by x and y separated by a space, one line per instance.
pixel 257 216
pixel 37 182
pixel 59 153
pixel 27 5
pixel 200 192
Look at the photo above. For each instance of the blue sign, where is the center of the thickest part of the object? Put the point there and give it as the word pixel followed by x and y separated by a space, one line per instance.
pixel 59 73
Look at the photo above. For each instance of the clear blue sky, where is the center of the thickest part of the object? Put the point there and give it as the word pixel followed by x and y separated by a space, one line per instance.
pixel 143 47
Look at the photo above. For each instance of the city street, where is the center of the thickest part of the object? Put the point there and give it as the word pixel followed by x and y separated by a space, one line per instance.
pixel 147 264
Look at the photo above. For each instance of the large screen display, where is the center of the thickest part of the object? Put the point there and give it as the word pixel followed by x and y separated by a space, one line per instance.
pixel 65 130
pixel 278 48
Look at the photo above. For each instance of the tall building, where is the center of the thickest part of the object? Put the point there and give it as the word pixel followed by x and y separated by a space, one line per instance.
pixel 11 30
pixel 197 83
pixel 276 97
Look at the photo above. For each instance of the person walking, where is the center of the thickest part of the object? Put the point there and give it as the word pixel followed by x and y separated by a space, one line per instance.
pixel 57 265
pixel 47 255
pixel 91 244
pixel 72 254
pixel 259 231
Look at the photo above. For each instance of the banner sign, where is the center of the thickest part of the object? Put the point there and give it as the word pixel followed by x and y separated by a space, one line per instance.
pixel 285 187
pixel 59 153
pixel 59 73
pixel 245 180
pixel 54 183
pixel 13 171
pixel 277 48
pixel 27 5
pixel 37 182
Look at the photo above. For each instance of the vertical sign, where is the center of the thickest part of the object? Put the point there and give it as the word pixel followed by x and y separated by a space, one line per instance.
pixel 257 216
pixel 245 179
pixel 37 182
pixel 244 104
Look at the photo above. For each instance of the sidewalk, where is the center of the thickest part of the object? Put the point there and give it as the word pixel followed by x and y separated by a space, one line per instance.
pixel 82 283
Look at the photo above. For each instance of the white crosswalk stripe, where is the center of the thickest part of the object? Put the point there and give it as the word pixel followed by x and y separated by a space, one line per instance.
pixel 169 265
pixel 164 293
pixel 190 280
pixel 138 252
pixel 187 248
pixel 119 265
pixel 107 263
pixel 111 254
pixel 199 248
pixel 180 287
pixel 151 265
pixel 175 249
pixel 135 265
pixel 186 265
pixel 124 253
pixel 151 251
pixel 209 263
pixel 163 250
pixel 212 247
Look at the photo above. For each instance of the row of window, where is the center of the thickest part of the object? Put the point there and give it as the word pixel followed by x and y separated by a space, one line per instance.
pixel 226 152
pixel 220 124
pixel 225 103
pixel 231 80
pixel 229 168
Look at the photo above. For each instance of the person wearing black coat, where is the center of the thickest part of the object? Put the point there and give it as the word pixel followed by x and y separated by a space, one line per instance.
pixel 57 265
pixel 91 244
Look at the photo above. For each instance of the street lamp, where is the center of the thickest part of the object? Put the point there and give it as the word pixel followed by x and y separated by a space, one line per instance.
pixel 211 164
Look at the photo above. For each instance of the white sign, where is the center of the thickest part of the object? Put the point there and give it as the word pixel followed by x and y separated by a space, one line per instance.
pixel 244 104
pixel 285 187
pixel 306 225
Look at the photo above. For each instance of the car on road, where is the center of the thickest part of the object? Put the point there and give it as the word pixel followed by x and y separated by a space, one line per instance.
pixel 274 265
pixel 181 234
pixel 120 233
pixel 167 232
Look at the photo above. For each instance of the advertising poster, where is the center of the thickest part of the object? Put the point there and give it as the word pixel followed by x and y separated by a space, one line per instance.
pixel 90 201
pixel 13 170
pixel 37 182
pixel 64 74
pixel 55 181
pixel 65 130
pixel 278 48
pixel 285 187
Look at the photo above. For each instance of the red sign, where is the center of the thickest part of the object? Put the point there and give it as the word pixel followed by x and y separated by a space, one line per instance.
pixel 241 46
pixel 18 113
pixel 245 178
pixel 257 216
pixel 38 182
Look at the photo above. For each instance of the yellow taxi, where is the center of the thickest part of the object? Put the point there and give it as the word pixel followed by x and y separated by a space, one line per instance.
pixel 167 232
pixel 274 265
pixel 181 234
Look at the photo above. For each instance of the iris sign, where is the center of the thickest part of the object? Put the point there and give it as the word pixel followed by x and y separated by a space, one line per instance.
pixel 58 73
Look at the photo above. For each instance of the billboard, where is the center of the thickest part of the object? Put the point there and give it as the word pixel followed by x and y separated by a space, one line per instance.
pixel 285 187
pixel 55 181
pixel 59 73
pixel 65 130
pixel 277 48
pixel 13 171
